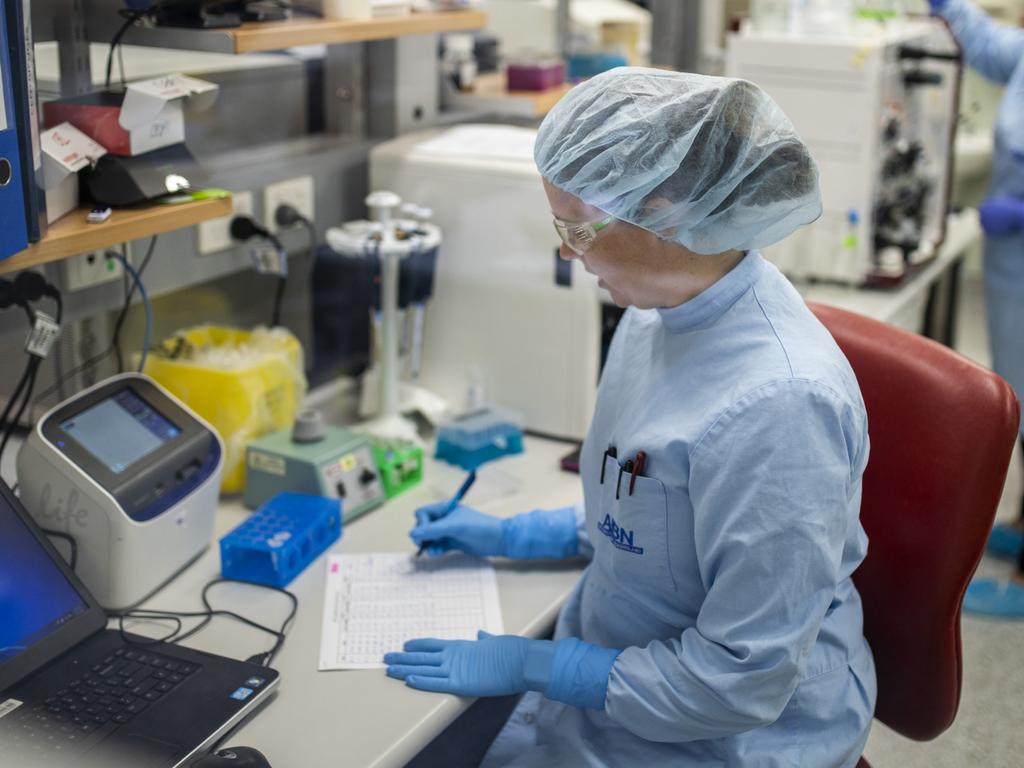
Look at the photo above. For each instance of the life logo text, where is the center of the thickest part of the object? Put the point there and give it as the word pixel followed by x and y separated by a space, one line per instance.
pixel 620 537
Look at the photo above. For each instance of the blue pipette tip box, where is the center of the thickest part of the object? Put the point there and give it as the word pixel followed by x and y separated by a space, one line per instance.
pixel 280 539
pixel 479 436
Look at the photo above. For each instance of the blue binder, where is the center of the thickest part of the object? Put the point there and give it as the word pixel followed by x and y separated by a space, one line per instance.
pixel 13 219
pixel 26 110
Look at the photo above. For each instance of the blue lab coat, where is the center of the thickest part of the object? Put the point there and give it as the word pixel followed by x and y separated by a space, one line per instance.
pixel 725 575
pixel 997 52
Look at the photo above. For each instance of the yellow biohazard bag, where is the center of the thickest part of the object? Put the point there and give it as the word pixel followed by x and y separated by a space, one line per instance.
pixel 244 383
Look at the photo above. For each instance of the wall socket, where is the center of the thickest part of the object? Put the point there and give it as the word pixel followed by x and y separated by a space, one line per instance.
pixel 297 192
pixel 91 269
pixel 215 234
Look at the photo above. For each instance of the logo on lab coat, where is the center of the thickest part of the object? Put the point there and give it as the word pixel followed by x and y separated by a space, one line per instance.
pixel 620 537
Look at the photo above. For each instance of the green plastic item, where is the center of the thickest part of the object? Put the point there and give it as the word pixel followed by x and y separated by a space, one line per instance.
pixel 399 462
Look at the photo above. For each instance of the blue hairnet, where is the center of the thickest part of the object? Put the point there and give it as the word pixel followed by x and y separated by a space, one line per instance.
pixel 711 163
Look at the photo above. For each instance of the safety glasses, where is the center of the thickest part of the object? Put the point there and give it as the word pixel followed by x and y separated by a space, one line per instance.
pixel 580 235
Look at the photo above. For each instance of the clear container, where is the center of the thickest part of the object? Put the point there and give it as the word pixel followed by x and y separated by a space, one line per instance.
pixel 770 15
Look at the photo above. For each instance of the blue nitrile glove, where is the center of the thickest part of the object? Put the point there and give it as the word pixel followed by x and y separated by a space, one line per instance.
pixel 937 6
pixel 567 670
pixel 1002 215
pixel 541 533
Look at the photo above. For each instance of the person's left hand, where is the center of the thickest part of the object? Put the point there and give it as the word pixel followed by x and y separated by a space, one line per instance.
pixel 1002 215
pixel 491 665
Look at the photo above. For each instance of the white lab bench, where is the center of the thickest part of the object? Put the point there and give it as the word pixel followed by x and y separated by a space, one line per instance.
pixel 363 718
pixel 919 294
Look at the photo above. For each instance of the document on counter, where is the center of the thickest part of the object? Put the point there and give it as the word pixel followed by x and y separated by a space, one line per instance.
pixel 375 602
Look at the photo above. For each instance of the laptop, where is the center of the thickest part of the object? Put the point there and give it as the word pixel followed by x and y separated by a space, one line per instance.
pixel 73 693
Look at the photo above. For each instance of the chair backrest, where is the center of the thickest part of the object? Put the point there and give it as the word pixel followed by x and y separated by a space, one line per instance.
pixel 942 431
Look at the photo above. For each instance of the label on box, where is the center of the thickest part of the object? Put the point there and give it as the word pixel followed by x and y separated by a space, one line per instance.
pixel 165 128
pixel 173 87
pixel 264 462
pixel 6 707
pixel 143 101
pixel 70 148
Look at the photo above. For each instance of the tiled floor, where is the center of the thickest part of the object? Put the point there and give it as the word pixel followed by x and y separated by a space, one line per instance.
pixel 989 729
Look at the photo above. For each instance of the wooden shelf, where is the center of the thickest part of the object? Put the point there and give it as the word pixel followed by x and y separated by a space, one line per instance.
pixel 253 37
pixel 71 234
pixel 489 94
pixel 270 36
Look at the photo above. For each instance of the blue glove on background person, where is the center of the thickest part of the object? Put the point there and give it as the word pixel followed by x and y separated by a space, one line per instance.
pixel 566 670
pixel 937 5
pixel 542 533
pixel 1002 215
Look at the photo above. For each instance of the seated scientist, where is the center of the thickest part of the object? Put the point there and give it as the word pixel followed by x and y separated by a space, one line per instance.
pixel 716 623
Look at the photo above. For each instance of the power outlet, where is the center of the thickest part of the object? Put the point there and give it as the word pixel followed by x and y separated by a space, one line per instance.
pixel 215 234
pixel 297 192
pixel 91 269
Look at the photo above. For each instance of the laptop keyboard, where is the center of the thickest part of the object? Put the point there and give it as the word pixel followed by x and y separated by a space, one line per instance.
pixel 114 691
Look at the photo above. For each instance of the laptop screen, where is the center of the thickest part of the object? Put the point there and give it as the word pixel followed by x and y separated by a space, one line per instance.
pixel 36 599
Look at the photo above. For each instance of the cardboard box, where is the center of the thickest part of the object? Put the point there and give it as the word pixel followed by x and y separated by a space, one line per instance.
pixel 66 151
pixel 148 115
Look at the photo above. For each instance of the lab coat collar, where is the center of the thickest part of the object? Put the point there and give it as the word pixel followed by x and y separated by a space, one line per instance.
pixel 706 307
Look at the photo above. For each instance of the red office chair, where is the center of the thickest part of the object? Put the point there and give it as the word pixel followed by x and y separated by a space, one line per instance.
pixel 942 430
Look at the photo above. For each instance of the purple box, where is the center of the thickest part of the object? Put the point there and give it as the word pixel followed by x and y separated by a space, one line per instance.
pixel 535 76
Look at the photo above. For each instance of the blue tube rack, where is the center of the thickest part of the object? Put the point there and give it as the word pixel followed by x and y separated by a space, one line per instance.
pixel 280 539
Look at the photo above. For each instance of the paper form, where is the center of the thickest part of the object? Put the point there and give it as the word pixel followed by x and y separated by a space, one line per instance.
pixel 374 603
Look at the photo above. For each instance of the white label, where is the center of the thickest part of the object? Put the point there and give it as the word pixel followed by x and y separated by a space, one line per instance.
pixel 41 338
pixel 9 706
pixel 269 260
pixel 172 87
pixel 33 99
pixel 70 147
pixel 264 462
pixel 3 104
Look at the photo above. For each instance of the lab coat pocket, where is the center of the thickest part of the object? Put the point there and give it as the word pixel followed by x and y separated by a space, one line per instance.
pixel 632 530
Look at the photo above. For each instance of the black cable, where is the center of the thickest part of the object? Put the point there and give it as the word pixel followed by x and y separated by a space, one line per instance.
pixel 14 396
pixel 58 370
pixel 28 377
pixel 101 356
pixel 115 339
pixel 127 284
pixel 206 616
pixel 275 319
pixel 287 216
pixel 115 41
pixel 32 370
pixel 72 545
pixel 244 228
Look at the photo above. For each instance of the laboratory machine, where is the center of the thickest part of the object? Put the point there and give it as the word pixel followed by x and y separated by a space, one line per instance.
pixel 314 458
pixel 391 259
pixel 511 323
pixel 132 475
pixel 877 106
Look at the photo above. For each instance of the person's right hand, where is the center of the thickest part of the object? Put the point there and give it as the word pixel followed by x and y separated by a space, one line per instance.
pixel 462 529
pixel 1002 215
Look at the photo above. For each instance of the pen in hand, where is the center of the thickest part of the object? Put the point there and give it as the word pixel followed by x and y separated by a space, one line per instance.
pixel 466 485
